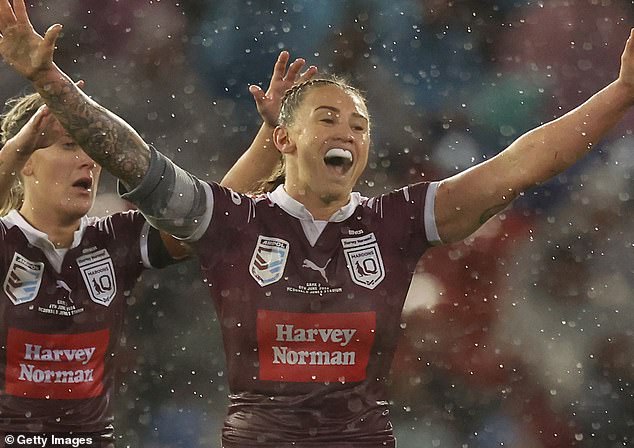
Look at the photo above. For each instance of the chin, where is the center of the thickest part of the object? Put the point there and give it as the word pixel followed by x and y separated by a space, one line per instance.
pixel 335 195
pixel 78 210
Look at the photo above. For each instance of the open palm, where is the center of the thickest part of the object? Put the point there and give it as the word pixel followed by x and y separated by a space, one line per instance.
pixel 20 45
pixel 269 102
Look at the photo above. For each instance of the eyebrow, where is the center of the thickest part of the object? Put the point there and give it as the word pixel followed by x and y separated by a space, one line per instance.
pixel 334 109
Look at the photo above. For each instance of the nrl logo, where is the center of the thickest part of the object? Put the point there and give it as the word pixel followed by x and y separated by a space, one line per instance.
pixel 268 260
pixel 23 279
pixel 364 260
pixel 98 274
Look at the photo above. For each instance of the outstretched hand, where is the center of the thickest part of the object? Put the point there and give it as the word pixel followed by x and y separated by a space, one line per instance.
pixel 20 45
pixel 269 102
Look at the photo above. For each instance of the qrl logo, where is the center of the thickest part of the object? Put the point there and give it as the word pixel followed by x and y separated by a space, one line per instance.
pixel 98 274
pixel 364 260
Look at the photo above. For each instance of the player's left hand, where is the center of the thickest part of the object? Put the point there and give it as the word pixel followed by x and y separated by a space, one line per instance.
pixel 269 102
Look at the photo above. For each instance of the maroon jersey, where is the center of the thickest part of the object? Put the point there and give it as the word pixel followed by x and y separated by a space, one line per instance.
pixel 62 315
pixel 310 312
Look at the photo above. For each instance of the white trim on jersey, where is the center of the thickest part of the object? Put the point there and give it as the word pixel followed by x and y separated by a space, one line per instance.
pixel 40 239
pixel 312 227
pixel 431 231
pixel 143 241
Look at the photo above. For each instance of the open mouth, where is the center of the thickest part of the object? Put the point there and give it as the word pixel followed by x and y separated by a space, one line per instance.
pixel 83 183
pixel 339 160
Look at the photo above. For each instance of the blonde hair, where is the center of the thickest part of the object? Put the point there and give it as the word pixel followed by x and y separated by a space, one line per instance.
pixel 18 111
pixel 291 102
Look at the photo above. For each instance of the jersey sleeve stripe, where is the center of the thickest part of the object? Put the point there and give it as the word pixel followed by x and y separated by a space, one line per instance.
pixel 143 241
pixel 429 218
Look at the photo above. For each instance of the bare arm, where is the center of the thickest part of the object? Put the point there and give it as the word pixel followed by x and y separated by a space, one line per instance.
pixel 105 137
pixel 467 200
pixel 261 158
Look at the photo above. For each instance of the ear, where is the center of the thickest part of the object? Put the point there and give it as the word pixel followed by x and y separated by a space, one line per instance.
pixel 283 141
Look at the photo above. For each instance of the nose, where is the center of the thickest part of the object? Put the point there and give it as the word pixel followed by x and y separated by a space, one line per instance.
pixel 345 134
pixel 86 160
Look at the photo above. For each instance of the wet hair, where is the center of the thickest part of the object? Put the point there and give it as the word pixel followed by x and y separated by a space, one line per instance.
pixel 291 102
pixel 294 96
pixel 275 180
pixel 17 112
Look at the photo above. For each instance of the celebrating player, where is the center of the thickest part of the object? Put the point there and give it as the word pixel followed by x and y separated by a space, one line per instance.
pixel 65 275
pixel 309 280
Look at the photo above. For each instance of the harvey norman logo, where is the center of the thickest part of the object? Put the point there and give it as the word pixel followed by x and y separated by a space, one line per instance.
pixel 302 347
pixel 55 366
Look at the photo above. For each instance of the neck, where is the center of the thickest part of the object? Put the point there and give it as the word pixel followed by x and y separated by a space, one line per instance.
pixel 60 230
pixel 321 205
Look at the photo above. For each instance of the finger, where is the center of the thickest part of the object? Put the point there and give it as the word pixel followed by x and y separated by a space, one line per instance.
pixel 38 116
pixel 294 69
pixel 630 41
pixel 308 74
pixel 257 93
pixel 51 125
pixel 6 14
pixel 280 65
pixel 81 84
pixel 20 11
pixel 628 50
pixel 52 33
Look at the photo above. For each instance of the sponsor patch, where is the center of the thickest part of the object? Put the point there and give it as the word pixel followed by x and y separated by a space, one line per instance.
pixel 23 279
pixel 364 260
pixel 321 347
pixel 98 274
pixel 55 366
pixel 268 260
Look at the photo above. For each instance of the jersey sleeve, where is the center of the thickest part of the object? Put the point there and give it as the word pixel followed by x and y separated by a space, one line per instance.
pixel 408 215
pixel 138 241
pixel 232 213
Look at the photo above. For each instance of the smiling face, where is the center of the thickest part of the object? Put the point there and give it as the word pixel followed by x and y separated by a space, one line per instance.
pixel 326 145
pixel 60 180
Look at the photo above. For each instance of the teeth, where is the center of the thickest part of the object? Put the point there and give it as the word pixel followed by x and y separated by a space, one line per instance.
pixel 338 153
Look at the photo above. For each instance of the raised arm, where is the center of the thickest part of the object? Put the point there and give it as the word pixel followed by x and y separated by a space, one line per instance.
pixel 467 200
pixel 261 158
pixel 104 136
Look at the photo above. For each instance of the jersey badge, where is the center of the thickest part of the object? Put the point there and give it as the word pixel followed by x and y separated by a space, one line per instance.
pixel 23 279
pixel 268 260
pixel 98 274
pixel 364 260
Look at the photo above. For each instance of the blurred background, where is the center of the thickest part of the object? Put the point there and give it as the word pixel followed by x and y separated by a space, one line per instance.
pixel 520 336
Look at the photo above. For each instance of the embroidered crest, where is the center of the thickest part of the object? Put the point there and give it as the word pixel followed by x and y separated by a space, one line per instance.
pixel 98 274
pixel 364 260
pixel 23 279
pixel 268 260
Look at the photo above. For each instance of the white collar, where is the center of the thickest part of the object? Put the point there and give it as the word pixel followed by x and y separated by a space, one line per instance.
pixel 38 238
pixel 280 197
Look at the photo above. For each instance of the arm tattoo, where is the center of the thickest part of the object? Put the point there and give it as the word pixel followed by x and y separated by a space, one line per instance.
pixel 105 137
